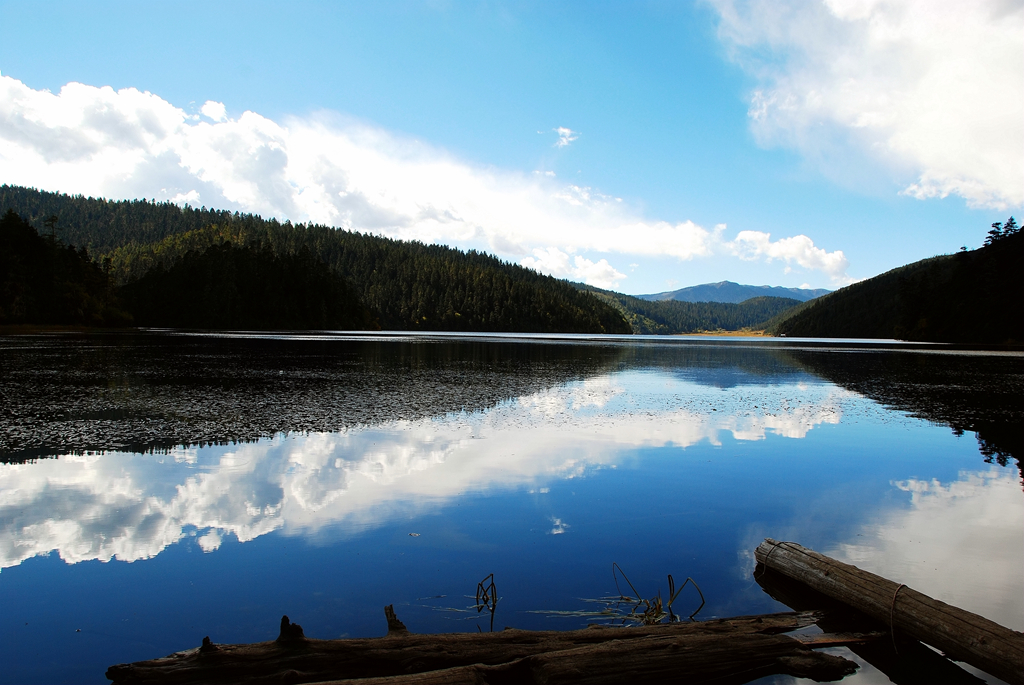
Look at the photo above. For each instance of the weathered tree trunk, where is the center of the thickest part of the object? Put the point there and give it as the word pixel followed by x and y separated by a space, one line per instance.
pixel 904 660
pixel 726 650
pixel 960 634
pixel 653 659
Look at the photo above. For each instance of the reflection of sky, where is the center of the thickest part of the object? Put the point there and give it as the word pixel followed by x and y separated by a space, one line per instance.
pixel 648 468
pixel 962 541
pixel 128 507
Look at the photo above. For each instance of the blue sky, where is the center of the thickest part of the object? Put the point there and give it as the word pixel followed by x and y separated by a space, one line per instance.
pixel 762 142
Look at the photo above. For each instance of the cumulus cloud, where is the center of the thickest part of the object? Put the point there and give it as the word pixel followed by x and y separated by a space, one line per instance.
pixel 558 526
pixel 325 169
pixel 755 245
pixel 214 110
pixel 933 89
pixel 553 261
pixel 210 542
pixel 565 136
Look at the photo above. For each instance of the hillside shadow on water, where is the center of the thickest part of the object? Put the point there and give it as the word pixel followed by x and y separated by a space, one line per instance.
pixel 968 392
pixel 153 392
pixel 68 394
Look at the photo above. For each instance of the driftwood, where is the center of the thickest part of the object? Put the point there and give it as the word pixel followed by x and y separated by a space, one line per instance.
pixel 733 650
pixel 676 659
pixel 904 660
pixel 960 634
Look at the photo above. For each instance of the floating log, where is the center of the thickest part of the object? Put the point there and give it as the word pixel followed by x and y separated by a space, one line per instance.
pixel 904 660
pixel 654 659
pixel 960 634
pixel 734 650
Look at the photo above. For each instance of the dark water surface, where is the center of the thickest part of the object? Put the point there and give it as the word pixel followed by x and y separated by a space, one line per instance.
pixel 157 488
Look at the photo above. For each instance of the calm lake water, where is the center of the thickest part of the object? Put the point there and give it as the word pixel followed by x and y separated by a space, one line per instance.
pixel 158 488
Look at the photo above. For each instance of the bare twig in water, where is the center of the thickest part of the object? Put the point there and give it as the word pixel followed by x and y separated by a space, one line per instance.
pixel 486 597
pixel 675 593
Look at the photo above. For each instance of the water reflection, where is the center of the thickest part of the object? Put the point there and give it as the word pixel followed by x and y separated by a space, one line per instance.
pixel 978 392
pixel 540 461
pixel 131 506
pixel 156 392
pixel 136 392
pixel 941 538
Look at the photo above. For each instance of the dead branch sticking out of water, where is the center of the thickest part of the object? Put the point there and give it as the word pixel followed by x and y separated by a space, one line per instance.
pixel 632 609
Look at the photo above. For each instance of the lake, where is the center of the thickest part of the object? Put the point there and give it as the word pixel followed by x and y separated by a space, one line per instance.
pixel 156 488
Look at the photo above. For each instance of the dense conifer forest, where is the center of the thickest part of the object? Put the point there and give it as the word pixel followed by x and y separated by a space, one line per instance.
pixel 973 296
pixel 43 281
pixel 404 285
pixel 239 288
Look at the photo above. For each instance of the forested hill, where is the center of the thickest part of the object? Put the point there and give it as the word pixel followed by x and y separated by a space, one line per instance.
pixel 972 296
pixel 45 282
pixel 405 285
pixel 667 317
pixel 101 225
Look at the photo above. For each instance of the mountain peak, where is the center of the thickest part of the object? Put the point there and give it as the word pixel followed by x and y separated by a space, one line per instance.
pixel 727 291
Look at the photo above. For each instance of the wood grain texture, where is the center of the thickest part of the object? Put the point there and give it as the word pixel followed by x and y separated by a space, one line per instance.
pixel 960 634
pixel 725 650
pixel 653 659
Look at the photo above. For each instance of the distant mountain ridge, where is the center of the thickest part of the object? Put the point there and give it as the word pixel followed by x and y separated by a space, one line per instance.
pixel 672 317
pixel 727 291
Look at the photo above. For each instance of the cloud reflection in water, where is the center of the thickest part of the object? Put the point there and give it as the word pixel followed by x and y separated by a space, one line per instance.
pixel 937 544
pixel 131 506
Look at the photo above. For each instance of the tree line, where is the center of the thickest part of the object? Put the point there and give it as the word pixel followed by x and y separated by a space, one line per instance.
pixel 403 285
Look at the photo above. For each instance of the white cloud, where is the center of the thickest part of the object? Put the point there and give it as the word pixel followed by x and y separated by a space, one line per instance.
pixel 565 136
pixel 325 169
pixel 933 89
pixel 755 245
pixel 210 541
pixel 189 198
pixel 214 110
pixel 553 261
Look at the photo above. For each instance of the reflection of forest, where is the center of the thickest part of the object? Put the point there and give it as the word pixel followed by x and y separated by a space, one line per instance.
pixel 720 365
pixel 142 392
pixel 981 393
pixel 138 392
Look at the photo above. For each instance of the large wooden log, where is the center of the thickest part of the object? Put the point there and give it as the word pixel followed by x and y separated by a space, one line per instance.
pixel 904 660
pixel 731 650
pixel 960 634
pixel 654 659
